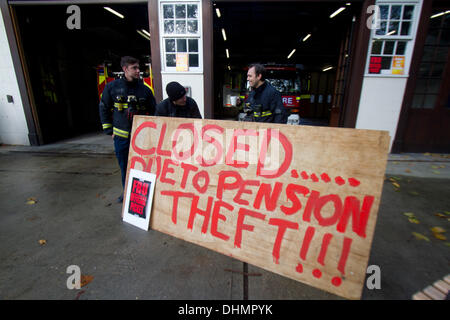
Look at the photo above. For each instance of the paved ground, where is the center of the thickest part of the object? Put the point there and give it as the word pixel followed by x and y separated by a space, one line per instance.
pixel 75 184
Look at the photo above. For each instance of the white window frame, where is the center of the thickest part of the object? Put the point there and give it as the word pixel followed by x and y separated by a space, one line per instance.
pixel 163 37
pixel 409 39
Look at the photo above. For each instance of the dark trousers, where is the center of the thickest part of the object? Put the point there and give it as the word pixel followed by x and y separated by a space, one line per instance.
pixel 122 147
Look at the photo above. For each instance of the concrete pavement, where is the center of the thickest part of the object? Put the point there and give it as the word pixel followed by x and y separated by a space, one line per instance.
pixel 75 184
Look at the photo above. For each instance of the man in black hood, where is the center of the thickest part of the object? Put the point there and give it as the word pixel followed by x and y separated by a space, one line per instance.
pixel 177 104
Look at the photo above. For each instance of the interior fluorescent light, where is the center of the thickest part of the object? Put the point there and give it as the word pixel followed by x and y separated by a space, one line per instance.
pixel 228 53
pixel 334 14
pixel 307 36
pixel 328 68
pixel 439 14
pixel 348 4
pixel 224 35
pixel 229 68
pixel 290 54
pixel 218 12
pixel 114 12
pixel 143 34
pixel 392 32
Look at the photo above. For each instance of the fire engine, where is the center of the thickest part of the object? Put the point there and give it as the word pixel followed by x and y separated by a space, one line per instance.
pixel 104 76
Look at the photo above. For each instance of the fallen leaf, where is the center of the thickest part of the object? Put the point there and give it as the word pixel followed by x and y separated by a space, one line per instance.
pixel 440 236
pixel 442 166
pixel 437 230
pixel 420 236
pixel 408 171
pixel 414 220
pixel 436 172
pixel 447 212
pixel 395 162
pixel 85 280
pixel 409 214
pixel 427 154
pixel 395 184
pixel 392 179
pixel 440 215
pixel 42 242
pixel 434 167
pixel 31 201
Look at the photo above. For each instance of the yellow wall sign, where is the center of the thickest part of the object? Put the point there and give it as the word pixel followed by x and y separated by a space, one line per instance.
pixel 398 65
pixel 182 62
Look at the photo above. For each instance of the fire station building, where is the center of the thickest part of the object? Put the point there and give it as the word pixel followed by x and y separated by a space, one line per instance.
pixel 364 64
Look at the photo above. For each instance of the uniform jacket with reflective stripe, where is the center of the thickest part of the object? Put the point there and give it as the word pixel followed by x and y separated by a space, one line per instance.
pixel 167 109
pixel 116 103
pixel 266 104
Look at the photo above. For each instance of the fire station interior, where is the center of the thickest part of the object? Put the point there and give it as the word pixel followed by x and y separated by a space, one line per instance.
pixel 62 64
pixel 268 33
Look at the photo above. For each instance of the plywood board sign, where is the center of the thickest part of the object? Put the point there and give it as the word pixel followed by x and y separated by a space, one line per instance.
pixel 299 201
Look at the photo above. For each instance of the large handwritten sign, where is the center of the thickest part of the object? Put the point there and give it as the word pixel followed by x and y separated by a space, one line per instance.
pixel 299 201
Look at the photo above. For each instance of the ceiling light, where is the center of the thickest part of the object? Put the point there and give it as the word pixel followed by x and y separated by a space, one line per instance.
pixel 334 14
pixel 348 4
pixel 290 54
pixel 114 12
pixel 307 36
pixel 327 68
pixel 229 68
pixel 224 35
pixel 228 53
pixel 143 34
pixel 218 12
pixel 439 14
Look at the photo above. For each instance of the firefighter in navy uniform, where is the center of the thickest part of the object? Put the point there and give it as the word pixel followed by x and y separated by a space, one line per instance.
pixel 264 102
pixel 177 104
pixel 121 100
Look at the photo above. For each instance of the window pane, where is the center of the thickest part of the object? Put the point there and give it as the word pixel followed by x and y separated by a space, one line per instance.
pixel 384 10
pixel 193 60
pixel 386 62
pixel 382 30
pixel 434 85
pixel 393 26
pixel 193 45
pixel 168 11
pixel 168 26
pixel 376 47
pixel 180 11
pixel 421 86
pixel 432 36
pixel 408 12
pixel 405 28
pixel 429 101
pixel 417 101
pixel 181 27
pixel 441 54
pixel 171 60
pixel 181 45
pixel 395 12
pixel 192 26
pixel 401 46
pixel 428 53
pixel 437 69
pixel 389 47
pixel 170 45
pixel 192 11
pixel 424 69
pixel 445 36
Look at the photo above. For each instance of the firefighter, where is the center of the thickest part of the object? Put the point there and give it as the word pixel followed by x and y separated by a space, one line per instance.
pixel 264 102
pixel 121 100
pixel 177 104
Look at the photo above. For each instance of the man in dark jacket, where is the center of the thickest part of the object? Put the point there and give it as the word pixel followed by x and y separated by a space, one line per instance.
pixel 264 102
pixel 121 100
pixel 177 104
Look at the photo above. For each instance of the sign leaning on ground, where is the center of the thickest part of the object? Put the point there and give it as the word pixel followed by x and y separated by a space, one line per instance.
pixel 299 201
